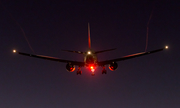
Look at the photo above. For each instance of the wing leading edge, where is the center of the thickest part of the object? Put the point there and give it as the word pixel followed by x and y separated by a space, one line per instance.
pixel 102 63
pixel 51 58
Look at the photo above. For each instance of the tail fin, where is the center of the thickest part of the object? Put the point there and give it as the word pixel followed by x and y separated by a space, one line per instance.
pixel 89 38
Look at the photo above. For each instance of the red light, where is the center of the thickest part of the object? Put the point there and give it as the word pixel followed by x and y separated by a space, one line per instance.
pixel 92 68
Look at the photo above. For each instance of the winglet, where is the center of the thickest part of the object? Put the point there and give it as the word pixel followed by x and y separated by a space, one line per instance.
pixel 89 38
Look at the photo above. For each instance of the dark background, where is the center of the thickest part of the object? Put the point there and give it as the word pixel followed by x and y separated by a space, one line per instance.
pixel 151 81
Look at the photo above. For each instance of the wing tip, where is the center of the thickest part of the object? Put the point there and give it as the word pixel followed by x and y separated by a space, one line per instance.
pixel 14 51
pixel 166 47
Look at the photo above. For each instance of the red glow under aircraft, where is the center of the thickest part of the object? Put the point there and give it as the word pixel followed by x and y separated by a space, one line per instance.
pixel 90 58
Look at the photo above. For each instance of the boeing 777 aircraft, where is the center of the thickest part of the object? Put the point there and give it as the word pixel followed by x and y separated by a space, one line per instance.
pixel 90 58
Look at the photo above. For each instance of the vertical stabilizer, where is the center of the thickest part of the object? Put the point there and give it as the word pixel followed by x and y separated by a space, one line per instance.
pixel 89 38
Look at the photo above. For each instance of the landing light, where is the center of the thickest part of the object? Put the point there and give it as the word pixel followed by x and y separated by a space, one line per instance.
pixel 166 47
pixel 89 52
pixel 92 68
pixel 14 51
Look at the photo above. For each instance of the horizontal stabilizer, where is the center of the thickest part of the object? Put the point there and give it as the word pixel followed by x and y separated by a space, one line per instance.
pixel 79 52
pixel 104 50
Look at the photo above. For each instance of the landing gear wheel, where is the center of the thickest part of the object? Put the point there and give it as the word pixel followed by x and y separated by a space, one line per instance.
pixel 104 71
pixel 79 71
pixel 92 74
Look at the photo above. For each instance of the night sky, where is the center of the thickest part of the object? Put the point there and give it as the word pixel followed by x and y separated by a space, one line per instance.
pixel 151 81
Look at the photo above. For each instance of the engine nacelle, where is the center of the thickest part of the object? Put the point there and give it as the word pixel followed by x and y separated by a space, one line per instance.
pixel 70 67
pixel 113 66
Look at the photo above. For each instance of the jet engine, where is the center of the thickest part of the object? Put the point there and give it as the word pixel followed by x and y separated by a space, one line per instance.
pixel 113 66
pixel 70 67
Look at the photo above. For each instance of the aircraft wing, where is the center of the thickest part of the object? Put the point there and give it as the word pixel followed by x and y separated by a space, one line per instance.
pixel 102 63
pixel 51 58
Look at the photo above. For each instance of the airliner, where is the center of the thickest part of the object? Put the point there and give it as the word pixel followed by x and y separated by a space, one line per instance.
pixel 90 59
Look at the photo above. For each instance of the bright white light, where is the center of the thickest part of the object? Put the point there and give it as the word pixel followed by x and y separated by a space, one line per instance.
pixel 89 52
pixel 166 47
pixel 92 70
pixel 14 51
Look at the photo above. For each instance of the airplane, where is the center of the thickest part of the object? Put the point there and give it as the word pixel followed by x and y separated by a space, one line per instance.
pixel 90 58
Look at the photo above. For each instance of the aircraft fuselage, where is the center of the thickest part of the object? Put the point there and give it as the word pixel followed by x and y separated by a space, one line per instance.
pixel 90 59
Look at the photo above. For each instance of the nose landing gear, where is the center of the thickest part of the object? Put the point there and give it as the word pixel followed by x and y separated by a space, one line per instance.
pixel 92 74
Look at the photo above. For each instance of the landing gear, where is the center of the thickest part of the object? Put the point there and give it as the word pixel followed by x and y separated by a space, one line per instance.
pixel 104 70
pixel 79 71
pixel 92 74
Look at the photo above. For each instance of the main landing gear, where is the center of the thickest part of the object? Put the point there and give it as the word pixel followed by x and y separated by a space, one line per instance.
pixel 104 70
pixel 79 71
